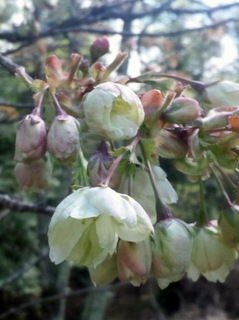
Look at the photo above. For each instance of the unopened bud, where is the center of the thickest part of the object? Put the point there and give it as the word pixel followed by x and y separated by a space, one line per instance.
pixel 134 261
pixel 30 139
pixel 99 47
pixel 151 100
pixel 53 70
pixel 218 117
pixel 183 110
pixel 34 176
pixel 98 166
pixel 63 140
pixel 171 247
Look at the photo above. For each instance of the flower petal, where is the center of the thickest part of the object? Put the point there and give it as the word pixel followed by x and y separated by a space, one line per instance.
pixel 63 236
pixel 105 230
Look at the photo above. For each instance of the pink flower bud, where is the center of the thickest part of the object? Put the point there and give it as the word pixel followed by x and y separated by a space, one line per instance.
pixel 134 261
pixel 151 100
pixel 98 48
pixel 53 70
pixel 63 139
pixel 33 176
pixel 98 167
pixel 30 139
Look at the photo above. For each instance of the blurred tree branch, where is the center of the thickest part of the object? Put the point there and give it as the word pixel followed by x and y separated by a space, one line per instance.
pixel 120 10
pixel 9 203
pixel 16 105
pixel 8 64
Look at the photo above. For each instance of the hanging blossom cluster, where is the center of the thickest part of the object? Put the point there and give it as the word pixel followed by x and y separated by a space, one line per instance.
pixel 119 222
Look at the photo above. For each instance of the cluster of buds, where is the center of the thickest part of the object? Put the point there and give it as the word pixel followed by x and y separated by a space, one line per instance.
pixel 35 141
pixel 119 223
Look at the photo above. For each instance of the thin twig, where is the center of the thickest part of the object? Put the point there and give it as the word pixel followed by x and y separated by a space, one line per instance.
pixel 8 64
pixel 63 30
pixel 28 266
pixel 59 297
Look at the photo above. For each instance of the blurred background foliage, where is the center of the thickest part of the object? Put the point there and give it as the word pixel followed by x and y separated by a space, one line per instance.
pixel 194 39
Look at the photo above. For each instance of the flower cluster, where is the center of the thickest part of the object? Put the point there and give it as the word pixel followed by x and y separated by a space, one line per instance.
pixel 119 222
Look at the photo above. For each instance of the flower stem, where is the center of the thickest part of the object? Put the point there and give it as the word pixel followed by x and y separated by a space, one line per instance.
pixel 106 180
pixel 227 178
pixel 116 162
pixel 37 110
pixel 162 210
pixel 202 218
pixel 221 187
pixel 59 109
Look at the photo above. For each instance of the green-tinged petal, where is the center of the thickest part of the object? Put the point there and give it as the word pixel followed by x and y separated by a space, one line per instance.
pixel 75 205
pixel 104 272
pixel 166 191
pixel 87 249
pixel 109 202
pixel 141 232
pixel 192 272
pixel 211 257
pixel 105 229
pixel 63 236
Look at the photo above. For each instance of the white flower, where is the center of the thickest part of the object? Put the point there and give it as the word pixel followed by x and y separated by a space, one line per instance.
pixel 211 257
pixel 87 225
pixel 114 111
pixel 171 248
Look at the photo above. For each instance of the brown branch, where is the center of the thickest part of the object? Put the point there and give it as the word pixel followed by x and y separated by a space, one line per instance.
pixel 143 34
pixel 207 10
pixel 8 64
pixel 78 28
pixel 107 12
pixel 20 206
pixel 16 105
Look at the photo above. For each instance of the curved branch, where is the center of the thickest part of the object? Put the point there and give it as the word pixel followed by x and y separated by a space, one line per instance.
pixel 116 11
pixel 79 28
pixel 8 64
pixel 143 34
pixel 20 206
